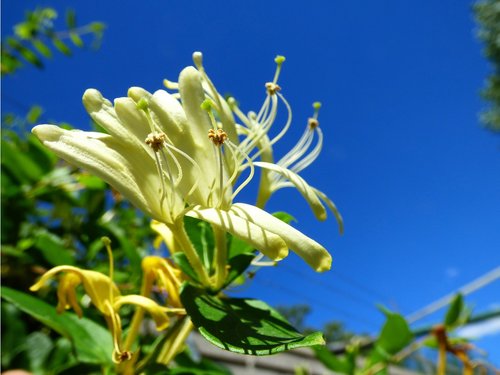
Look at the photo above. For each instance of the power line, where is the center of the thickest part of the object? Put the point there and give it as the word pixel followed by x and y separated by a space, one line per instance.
pixel 316 302
pixel 328 286
pixel 469 288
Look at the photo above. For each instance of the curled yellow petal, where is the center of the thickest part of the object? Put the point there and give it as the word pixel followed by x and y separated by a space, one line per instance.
pixel 98 286
pixel 157 312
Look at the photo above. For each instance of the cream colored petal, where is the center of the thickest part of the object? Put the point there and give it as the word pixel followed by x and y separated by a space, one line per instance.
pixel 198 122
pixel 332 208
pixel 157 312
pixel 103 113
pixel 133 120
pixel 263 240
pixel 129 170
pixel 312 252
pixel 192 96
pixel 302 186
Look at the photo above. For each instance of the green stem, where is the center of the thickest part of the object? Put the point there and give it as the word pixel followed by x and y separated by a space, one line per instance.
pixel 177 338
pixel 187 247
pixel 220 257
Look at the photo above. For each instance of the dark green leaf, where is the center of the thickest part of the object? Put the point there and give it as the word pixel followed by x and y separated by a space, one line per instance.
pixel 244 326
pixel 61 46
pixel 13 333
pixel 237 265
pixel 92 342
pixel 70 18
pixel 25 52
pixel 181 260
pixel 454 311
pixel 53 249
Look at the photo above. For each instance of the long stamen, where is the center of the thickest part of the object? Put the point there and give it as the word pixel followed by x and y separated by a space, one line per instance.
pixel 107 244
pixel 234 149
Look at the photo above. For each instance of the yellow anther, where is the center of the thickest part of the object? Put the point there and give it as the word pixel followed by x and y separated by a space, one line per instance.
pixel 218 137
pixel 312 123
pixel 156 140
pixel 272 88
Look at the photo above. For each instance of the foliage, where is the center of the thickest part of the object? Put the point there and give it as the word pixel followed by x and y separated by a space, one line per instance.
pixel 32 38
pixel 488 17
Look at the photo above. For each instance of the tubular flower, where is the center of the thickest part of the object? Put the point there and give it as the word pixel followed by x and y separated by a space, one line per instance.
pixel 254 131
pixel 178 154
pixel 105 296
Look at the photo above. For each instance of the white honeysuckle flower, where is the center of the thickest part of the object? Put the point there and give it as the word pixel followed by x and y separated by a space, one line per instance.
pixel 253 139
pixel 170 156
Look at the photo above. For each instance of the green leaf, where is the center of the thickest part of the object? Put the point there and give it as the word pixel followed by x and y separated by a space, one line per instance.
pixel 38 347
pixel 92 342
pixel 283 216
pixel 237 265
pixel 245 326
pixel 25 52
pixel 75 38
pixel 70 18
pixel 181 260
pixel 97 27
pixel 19 164
pixel 53 249
pixel 34 114
pixel 333 362
pixel 14 333
pixel 454 311
pixel 42 48
pixel 395 334
pixel 61 46
pixel 201 235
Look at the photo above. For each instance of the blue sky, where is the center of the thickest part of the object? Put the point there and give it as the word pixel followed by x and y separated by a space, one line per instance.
pixel 405 158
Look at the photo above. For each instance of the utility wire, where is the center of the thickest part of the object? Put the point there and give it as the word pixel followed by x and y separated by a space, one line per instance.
pixel 469 288
pixel 329 287
pixel 316 302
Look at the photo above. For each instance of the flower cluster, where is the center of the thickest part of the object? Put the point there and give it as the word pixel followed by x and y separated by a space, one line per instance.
pixel 189 152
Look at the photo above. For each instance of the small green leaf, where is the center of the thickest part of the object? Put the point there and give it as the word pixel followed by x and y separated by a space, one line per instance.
pixel 333 362
pixel 454 311
pixel 42 48
pixel 70 18
pixel 61 46
pixel 34 114
pixel 25 52
pixel 395 334
pixel 92 342
pixel 237 265
pixel 23 30
pixel 181 260
pixel 284 216
pixel 75 38
pixel 245 326
pixel 97 27
pixel 201 235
